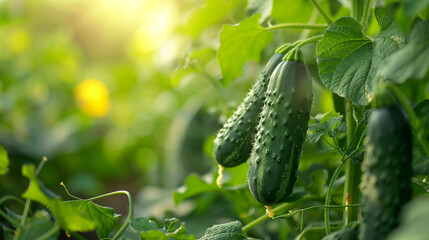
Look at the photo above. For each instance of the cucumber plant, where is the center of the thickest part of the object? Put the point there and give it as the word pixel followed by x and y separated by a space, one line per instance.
pixel 352 170
pixel 234 140
pixel 281 133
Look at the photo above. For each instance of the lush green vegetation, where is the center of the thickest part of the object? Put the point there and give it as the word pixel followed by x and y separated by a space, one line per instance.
pixel 110 118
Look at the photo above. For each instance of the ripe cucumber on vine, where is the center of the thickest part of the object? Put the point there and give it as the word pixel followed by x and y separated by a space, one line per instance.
pixel 234 141
pixel 281 132
pixel 282 125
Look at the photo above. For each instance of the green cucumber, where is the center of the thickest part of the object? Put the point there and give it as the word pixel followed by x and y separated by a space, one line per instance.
pixel 386 179
pixel 281 133
pixel 233 143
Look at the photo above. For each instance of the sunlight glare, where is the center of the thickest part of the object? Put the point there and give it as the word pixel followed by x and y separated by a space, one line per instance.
pixel 156 23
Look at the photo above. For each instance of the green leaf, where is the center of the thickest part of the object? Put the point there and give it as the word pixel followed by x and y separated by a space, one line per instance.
pixel 240 43
pixel 104 217
pixel 4 161
pixel 413 7
pixel 297 11
pixel 260 6
pixel 411 61
pixel 231 231
pixel 420 160
pixel 36 191
pixel 153 235
pixel 329 123
pixel 195 62
pixel 193 186
pixel 422 113
pixel 421 167
pixel 142 224
pixel 349 61
pixel 414 219
pixel 314 178
pixel 176 229
pixel 70 219
pixel 66 216
pixel 38 225
pixel 172 229
pixel 419 187
pixel 210 13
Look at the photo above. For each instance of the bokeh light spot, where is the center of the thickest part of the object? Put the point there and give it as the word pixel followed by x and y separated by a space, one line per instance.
pixel 92 97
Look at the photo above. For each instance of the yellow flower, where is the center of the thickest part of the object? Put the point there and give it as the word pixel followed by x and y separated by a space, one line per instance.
pixel 92 97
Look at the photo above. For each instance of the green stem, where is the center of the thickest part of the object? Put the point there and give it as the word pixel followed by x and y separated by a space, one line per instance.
pixel 49 233
pixel 313 207
pixel 414 120
pixel 40 166
pixel 293 54
pixel 313 229
pixel 306 32
pixel 303 42
pixel 331 206
pixel 130 211
pixel 366 13
pixel 10 197
pixel 12 221
pixel 28 201
pixel 299 43
pixel 331 184
pixel 356 10
pixel 68 193
pixel 281 208
pixel 297 26
pixel 319 8
pixel 328 195
pixel 353 171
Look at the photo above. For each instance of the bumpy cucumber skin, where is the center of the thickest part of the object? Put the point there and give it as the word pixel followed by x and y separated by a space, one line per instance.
pixel 233 143
pixel 343 234
pixel 386 182
pixel 281 133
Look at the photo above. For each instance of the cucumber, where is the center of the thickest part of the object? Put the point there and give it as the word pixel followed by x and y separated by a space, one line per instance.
pixel 233 143
pixel 386 179
pixel 281 133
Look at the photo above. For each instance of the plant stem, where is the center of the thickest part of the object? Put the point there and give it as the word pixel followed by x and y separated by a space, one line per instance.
pixel 313 229
pixel 49 233
pixel 356 10
pixel 353 171
pixel 130 215
pixel 28 202
pixel 328 195
pixel 319 8
pixel 10 197
pixel 12 221
pixel 308 40
pixel 331 186
pixel 130 210
pixel 366 13
pixel 306 32
pixel 280 208
pixel 297 26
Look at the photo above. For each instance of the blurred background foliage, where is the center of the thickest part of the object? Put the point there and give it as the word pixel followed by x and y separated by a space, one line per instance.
pixel 126 94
